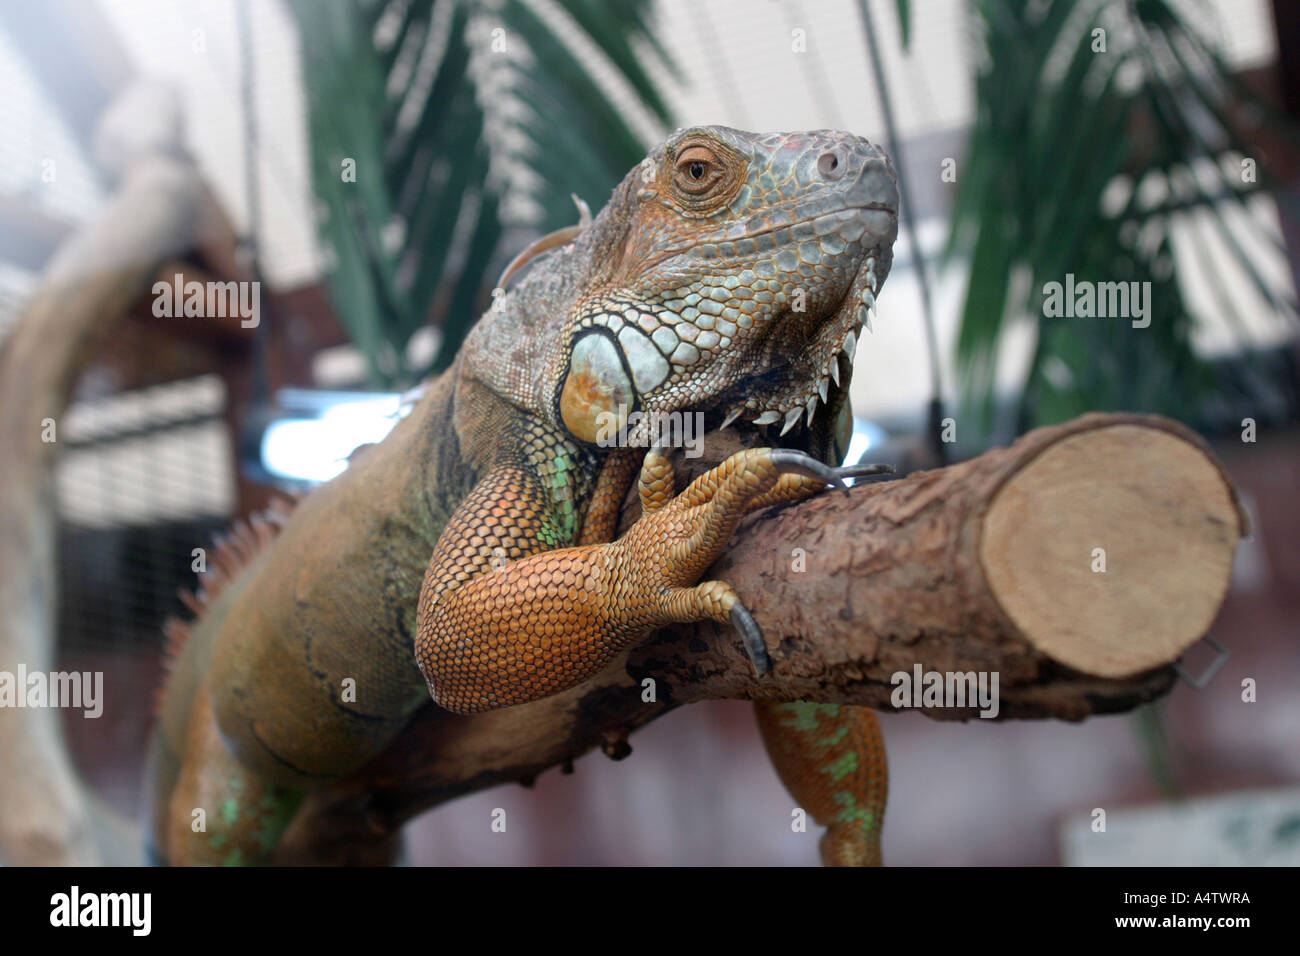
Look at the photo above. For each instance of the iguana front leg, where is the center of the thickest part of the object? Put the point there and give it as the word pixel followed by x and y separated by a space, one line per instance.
pixel 541 621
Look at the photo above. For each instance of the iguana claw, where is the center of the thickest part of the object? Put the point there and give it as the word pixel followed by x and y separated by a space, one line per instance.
pixel 752 637
pixel 862 470
pixel 791 459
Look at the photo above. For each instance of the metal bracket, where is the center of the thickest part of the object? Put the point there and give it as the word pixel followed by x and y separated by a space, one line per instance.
pixel 1201 682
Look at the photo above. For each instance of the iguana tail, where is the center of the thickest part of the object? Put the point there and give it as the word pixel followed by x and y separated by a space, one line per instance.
pixel 831 757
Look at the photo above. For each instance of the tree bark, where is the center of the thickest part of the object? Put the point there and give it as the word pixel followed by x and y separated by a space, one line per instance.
pixel 1079 563
pixel 991 565
pixel 88 285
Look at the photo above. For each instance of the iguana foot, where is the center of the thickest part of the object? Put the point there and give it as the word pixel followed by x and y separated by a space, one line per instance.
pixel 545 622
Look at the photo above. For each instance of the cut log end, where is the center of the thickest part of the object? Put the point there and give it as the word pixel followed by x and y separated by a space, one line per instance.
pixel 1112 550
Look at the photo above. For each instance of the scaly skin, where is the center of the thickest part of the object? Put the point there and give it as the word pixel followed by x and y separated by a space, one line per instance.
pixel 552 618
pixel 832 760
pixel 729 276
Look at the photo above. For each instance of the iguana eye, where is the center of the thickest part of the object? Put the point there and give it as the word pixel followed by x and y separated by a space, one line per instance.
pixel 698 170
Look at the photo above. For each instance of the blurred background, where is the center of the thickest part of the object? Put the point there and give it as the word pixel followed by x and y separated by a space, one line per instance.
pixel 375 163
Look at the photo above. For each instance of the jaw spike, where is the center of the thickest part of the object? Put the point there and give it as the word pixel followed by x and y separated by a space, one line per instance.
pixel 731 417
pixel 810 408
pixel 821 388
pixel 835 370
pixel 791 417
pixel 850 345
pixel 767 418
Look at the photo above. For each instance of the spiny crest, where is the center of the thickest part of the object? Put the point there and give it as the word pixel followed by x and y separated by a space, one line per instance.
pixel 229 555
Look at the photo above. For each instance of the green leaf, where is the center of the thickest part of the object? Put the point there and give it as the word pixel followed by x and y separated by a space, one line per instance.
pixel 1052 133
pixel 416 237
pixel 905 21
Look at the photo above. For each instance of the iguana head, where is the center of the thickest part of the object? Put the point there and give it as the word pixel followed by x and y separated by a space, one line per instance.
pixel 730 274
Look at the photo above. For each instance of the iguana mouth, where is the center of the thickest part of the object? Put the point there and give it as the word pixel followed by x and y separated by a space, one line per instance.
pixel 706 247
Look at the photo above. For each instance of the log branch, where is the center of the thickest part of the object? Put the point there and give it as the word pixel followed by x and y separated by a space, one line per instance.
pixel 993 564
pixel 45 813
pixel 1079 563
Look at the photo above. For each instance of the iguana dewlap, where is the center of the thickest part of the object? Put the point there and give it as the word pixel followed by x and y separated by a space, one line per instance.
pixel 471 555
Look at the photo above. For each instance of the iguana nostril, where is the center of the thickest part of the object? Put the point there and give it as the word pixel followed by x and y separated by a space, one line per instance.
pixel 830 165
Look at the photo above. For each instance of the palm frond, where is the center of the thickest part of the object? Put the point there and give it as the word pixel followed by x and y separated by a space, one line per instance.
pixel 459 120
pixel 1054 141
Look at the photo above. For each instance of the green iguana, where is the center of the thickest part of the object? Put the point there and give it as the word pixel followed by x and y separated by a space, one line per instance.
pixel 470 556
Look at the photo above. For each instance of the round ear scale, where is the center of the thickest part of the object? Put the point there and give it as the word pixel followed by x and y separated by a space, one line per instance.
pixel 598 395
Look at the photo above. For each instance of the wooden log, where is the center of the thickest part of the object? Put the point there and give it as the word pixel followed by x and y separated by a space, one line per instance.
pixel 45 818
pixel 988 565
pixel 1078 563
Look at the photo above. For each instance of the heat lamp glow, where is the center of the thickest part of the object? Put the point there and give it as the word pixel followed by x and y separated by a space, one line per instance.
pixel 317 449
pixel 866 436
